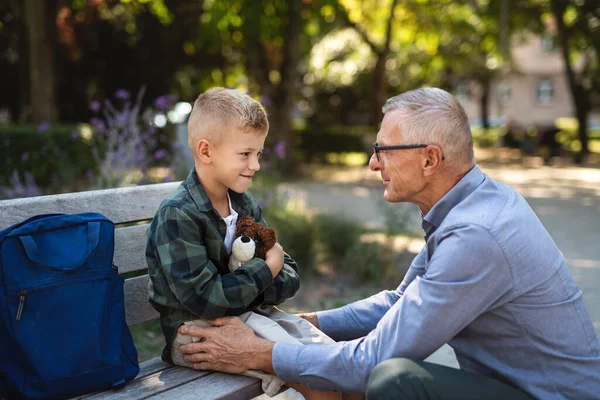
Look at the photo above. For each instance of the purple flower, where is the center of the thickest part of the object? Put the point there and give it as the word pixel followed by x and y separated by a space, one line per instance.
pixel 139 157
pixel 98 124
pixel 266 101
pixel 165 102
pixel 24 156
pixel 75 134
pixel 279 149
pixel 89 174
pixel 265 164
pixel 122 94
pixel 95 106
pixel 159 154
pixel 268 194
pixel 167 178
pixel 43 127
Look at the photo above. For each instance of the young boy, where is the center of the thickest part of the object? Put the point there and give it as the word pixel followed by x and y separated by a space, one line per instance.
pixel 190 237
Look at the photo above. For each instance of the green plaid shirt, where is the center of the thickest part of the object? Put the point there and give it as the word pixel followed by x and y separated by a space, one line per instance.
pixel 188 262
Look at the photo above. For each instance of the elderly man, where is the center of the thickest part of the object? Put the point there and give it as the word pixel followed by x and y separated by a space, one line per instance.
pixel 489 281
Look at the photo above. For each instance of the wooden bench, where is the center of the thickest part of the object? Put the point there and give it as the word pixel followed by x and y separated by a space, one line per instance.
pixel 131 209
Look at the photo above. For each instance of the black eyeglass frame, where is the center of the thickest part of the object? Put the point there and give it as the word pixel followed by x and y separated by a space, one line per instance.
pixel 377 148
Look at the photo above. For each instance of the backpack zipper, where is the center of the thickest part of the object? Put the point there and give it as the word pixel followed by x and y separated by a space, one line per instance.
pixel 23 293
pixel 22 297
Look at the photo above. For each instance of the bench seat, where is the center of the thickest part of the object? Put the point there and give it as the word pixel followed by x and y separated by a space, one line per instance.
pixel 131 209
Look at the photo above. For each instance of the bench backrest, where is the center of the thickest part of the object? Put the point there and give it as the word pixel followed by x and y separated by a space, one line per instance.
pixel 131 209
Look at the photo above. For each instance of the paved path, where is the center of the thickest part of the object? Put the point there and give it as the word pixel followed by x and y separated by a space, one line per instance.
pixel 567 201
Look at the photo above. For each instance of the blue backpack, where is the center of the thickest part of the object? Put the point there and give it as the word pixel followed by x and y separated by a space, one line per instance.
pixel 62 317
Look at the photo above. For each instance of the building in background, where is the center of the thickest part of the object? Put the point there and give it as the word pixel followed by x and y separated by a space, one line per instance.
pixel 536 91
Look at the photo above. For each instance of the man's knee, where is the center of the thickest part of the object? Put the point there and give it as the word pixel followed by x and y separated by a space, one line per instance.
pixel 398 378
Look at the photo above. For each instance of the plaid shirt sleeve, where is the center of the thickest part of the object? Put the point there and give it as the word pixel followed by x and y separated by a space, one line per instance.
pixel 195 281
pixel 285 284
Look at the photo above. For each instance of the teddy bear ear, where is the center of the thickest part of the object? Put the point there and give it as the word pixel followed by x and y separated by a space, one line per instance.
pixel 246 220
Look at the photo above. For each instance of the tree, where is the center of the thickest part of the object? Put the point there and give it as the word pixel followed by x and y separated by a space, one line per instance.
pixel 39 19
pixel 382 53
pixel 579 35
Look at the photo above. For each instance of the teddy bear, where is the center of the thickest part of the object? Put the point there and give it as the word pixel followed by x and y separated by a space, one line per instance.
pixel 253 239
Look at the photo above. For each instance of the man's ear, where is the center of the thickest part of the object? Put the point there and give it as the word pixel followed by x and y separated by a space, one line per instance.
pixel 432 161
pixel 204 151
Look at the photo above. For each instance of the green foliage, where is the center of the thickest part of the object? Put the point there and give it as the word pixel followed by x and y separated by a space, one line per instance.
pixel 336 235
pixel 485 138
pixel 148 339
pixel 367 261
pixel 396 216
pixel 58 155
pixel 297 234
pixel 315 142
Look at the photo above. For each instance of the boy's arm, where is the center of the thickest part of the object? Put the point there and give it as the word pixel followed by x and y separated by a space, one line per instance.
pixel 285 285
pixel 194 279
pixel 287 282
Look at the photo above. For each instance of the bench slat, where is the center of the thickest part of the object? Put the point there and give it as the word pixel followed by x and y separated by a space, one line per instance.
pixel 137 308
pixel 152 366
pixel 215 386
pixel 159 382
pixel 130 248
pixel 120 205
pixel 146 368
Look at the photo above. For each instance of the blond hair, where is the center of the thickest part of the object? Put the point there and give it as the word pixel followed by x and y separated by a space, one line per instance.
pixel 218 110
pixel 434 116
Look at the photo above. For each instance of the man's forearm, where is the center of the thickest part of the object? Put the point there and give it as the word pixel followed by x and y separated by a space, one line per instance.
pixel 262 358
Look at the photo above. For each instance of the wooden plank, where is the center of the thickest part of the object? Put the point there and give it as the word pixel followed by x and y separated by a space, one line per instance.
pixel 137 307
pixel 130 248
pixel 152 366
pixel 147 368
pixel 159 382
pixel 214 386
pixel 120 205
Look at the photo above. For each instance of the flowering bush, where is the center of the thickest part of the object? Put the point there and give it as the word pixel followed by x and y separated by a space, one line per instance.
pixel 127 138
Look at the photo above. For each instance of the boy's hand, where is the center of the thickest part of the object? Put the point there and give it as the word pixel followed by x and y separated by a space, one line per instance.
pixel 310 317
pixel 274 259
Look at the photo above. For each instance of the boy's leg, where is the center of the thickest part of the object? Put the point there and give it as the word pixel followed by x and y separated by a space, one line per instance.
pixel 401 379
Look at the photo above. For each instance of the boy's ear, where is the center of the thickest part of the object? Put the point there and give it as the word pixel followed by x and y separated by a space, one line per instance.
pixel 204 151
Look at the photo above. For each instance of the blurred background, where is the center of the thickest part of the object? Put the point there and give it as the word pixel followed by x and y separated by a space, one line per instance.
pixel 96 94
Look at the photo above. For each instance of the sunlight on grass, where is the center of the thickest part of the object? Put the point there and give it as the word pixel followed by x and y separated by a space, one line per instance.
pixel 351 159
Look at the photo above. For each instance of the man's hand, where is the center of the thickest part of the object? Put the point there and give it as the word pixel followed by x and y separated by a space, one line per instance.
pixel 228 346
pixel 310 317
pixel 274 259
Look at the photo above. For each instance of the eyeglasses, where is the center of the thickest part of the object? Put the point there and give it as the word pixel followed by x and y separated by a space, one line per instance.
pixel 377 148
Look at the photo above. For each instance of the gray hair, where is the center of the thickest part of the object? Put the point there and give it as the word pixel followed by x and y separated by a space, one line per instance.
pixel 218 109
pixel 434 116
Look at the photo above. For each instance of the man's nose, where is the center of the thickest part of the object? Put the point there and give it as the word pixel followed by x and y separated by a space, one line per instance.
pixel 374 164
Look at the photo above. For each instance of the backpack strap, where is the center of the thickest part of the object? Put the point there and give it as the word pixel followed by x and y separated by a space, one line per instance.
pixel 34 254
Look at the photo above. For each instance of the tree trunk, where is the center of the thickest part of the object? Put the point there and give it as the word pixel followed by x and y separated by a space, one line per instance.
pixel 580 96
pixel 284 97
pixel 380 84
pixel 42 89
pixel 484 104
pixel 582 132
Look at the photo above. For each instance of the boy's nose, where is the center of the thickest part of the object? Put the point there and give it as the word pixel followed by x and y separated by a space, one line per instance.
pixel 254 164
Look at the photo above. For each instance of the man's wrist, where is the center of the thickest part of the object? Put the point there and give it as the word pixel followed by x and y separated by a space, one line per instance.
pixel 262 357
